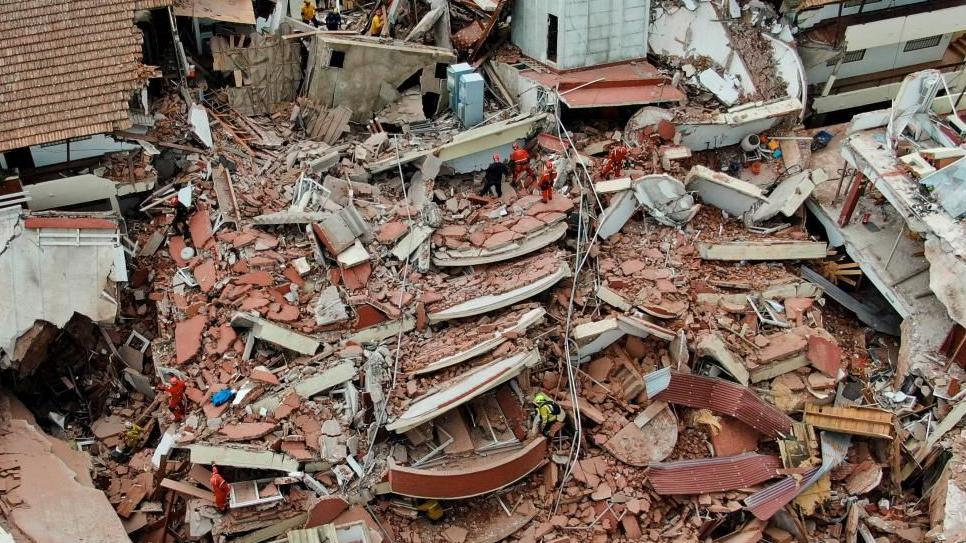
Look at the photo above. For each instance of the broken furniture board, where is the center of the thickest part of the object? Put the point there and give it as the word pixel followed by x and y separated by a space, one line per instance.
pixel 862 421
pixel 727 193
pixel 208 455
pixel 763 250
pixel 474 256
pixel 492 302
pixel 273 333
pixel 461 390
pixel 188 490
pixel 526 320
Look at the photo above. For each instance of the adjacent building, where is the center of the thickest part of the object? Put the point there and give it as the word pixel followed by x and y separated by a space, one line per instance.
pixel 856 52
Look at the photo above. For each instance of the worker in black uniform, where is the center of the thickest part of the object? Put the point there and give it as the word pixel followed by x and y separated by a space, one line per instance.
pixel 494 175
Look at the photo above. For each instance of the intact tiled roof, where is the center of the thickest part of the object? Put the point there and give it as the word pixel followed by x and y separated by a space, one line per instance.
pixel 67 69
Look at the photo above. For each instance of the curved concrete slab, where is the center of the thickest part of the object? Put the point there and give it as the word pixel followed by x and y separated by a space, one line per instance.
pixel 492 302
pixel 475 256
pixel 484 476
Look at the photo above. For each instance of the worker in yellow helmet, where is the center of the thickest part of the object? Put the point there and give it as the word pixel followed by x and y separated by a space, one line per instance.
pixel 551 415
pixel 432 509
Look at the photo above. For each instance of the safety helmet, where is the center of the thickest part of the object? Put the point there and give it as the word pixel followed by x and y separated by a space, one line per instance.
pixel 541 398
pixel 496 157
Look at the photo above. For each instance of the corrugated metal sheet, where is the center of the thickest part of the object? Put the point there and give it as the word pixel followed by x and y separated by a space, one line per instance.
pixel 727 398
pixel 713 474
pixel 766 502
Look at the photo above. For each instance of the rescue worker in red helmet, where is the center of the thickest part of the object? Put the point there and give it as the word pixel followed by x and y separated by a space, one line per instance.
pixel 176 390
pixel 520 158
pixel 547 179
pixel 220 488
pixel 614 164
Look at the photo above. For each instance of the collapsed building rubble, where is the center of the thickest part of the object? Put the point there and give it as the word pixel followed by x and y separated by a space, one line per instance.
pixel 297 307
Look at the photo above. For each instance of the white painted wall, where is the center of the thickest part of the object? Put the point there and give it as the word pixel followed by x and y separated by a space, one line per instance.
pixel 589 32
pixel 876 59
pixel 809 18
pixel 903 29
pixel 860 97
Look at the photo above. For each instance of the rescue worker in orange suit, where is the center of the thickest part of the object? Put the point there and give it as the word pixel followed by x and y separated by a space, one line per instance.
pixel 175 390
pixel 493 177
pixel 614 163
pixel 520 158
pixel 219 487
pixel 547 179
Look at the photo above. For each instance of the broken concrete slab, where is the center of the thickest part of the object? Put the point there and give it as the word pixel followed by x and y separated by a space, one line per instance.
pixel 787 197
pixel 385 330
pixel 492 302
pixel 473 256
pixel 728 193
pixel 208 455
pixel 723 89
pixel 416 237
pixel 594 336
pixel 273 333
pixel 329 308
pixel 763 250
pixel 526 320
pixel 713 346
pixel 622 207
pixel 462 389
pixel 665 199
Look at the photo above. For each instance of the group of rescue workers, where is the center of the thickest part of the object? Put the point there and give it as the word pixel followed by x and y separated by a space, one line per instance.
pixel 523 173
